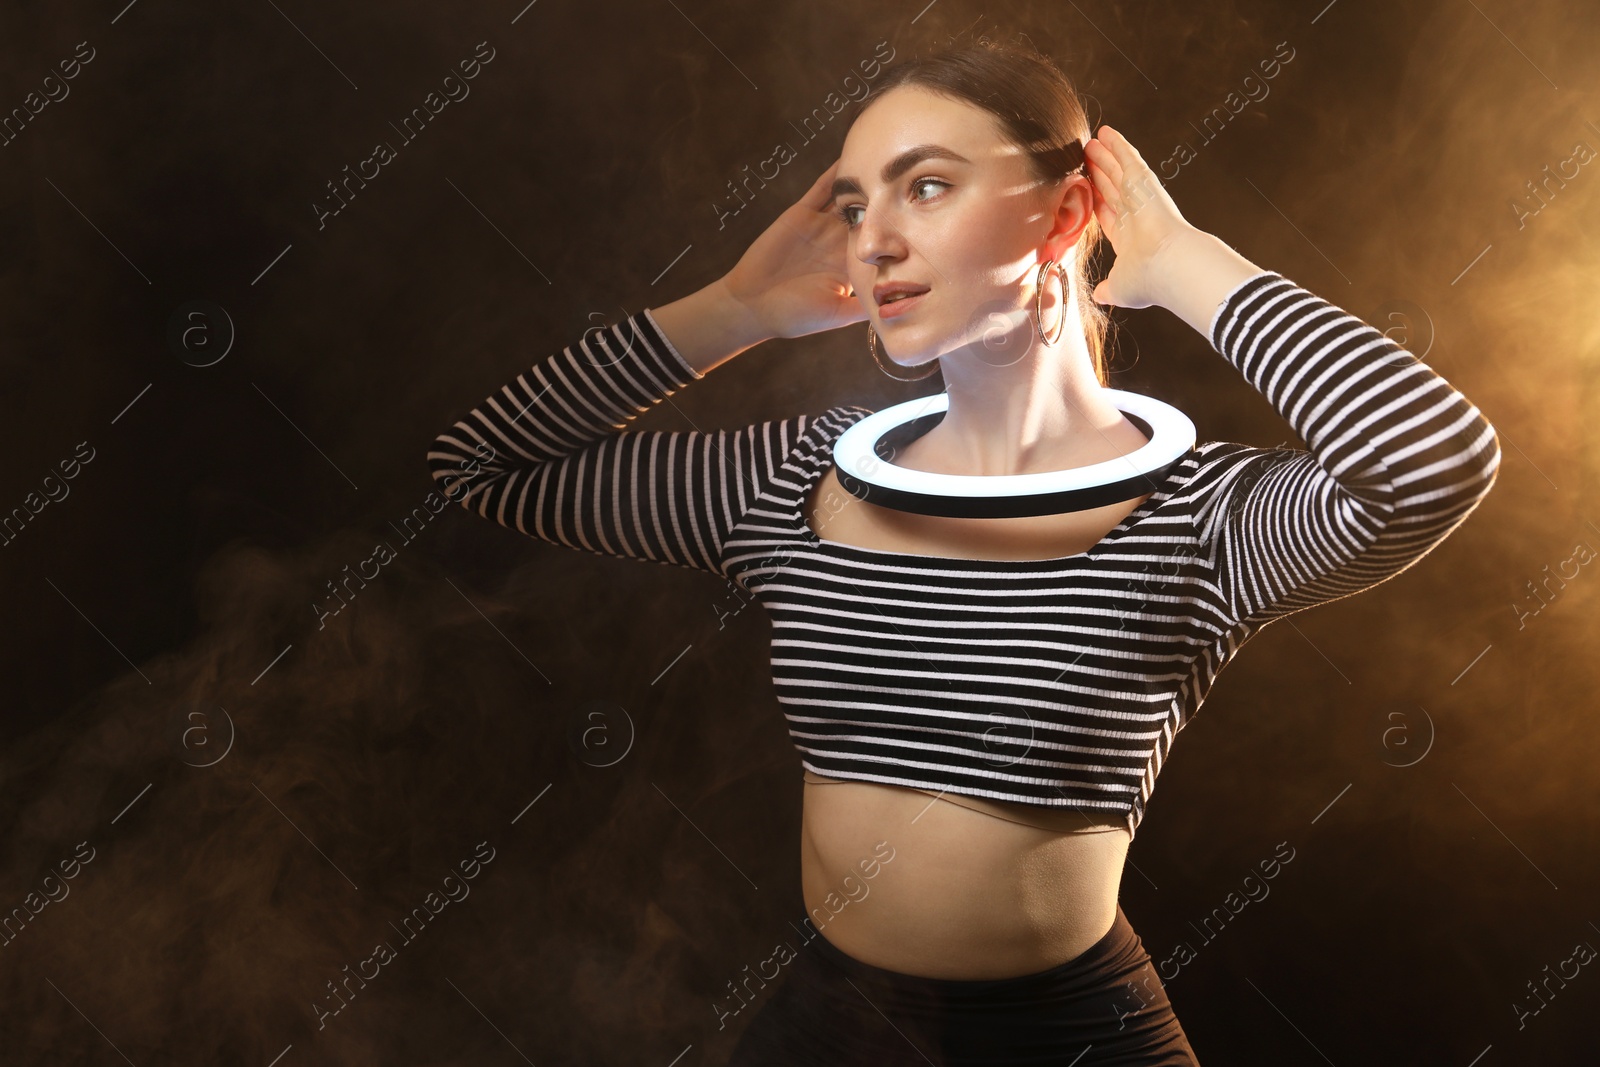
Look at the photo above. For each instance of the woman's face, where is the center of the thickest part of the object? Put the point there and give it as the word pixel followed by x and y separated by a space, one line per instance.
pixel 933 196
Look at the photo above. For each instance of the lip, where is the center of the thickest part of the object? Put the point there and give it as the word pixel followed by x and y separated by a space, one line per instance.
pixel 888 289
pixel 899 307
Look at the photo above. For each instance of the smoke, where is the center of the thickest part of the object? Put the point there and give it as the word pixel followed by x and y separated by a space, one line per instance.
pixel 272 789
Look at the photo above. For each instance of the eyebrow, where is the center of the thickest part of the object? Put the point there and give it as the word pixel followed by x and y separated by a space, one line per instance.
pixel 898 166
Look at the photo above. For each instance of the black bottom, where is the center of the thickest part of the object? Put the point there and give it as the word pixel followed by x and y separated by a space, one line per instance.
pixel 1105 1006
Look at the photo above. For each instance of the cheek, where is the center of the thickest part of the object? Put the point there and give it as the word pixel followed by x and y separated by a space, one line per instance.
pixel 860 274
pixel 981 274
pixel 977 254
pixel 987 277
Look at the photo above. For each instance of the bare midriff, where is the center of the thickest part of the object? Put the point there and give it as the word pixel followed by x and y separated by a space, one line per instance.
pixel 942 885
pixel 961 887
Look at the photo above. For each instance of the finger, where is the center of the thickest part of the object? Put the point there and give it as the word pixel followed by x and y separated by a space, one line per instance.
pixel 1109 191
pixel 1109 206
pixel 1127 155
pixel 1100 154
pixel 1110 221
pixel 820 195
pixel 1108 218
pixel 1116 141
pixel 1128 163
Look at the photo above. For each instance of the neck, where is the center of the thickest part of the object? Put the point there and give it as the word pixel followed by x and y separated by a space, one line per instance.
pixel 1022 414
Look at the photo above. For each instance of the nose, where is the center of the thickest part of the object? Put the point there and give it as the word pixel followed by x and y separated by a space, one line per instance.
pixel 877 239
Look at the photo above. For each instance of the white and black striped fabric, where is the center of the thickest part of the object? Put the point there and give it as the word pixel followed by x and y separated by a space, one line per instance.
pixel 1060 682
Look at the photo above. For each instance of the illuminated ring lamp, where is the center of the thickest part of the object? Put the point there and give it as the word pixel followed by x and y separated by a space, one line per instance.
pixel 864 474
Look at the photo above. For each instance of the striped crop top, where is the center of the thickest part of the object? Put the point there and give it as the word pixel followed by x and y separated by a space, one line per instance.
pixel 1058 682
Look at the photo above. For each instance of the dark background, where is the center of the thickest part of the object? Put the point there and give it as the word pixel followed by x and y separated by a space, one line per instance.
pixel 264 800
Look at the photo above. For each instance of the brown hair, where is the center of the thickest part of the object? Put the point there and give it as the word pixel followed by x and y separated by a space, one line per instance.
pixel 1039 111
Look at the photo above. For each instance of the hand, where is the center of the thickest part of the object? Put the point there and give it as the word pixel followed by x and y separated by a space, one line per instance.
pixel 1138 217
pixel 792 278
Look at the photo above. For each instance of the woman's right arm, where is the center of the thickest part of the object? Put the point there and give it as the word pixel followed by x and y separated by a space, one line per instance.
pixel 709 327
pixel 547 454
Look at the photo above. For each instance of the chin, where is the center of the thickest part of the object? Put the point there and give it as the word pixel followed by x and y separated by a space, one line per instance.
pixel 912 347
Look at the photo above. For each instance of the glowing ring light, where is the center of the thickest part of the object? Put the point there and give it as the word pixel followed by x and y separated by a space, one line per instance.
pixel 867 476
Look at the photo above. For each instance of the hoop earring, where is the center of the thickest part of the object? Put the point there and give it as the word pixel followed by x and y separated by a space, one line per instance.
pixel 1052 266
pixel 872 346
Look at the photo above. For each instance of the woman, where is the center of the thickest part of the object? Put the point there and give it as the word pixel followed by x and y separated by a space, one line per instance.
pixel 982 705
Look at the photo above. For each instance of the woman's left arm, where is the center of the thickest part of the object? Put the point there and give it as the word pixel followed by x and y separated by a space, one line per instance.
pixel 1398 456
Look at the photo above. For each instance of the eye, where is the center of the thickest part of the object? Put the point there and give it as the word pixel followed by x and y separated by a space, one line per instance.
pixel 851 221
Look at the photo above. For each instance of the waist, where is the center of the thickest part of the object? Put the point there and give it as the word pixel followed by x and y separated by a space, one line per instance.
pixel 1062 820
pixel 901 880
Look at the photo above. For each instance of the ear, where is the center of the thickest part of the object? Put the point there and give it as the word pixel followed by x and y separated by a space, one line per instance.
pixel 1072 204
